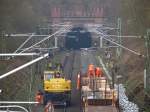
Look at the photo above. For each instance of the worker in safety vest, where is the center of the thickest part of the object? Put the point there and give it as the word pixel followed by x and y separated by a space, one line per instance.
pixel 50 65
pixel 114 98
pixel 39 97
pixel 91 70
pixel 98 72
pixel 78 81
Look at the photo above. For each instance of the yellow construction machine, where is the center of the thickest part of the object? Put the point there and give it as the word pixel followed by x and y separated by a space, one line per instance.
pixel 57 89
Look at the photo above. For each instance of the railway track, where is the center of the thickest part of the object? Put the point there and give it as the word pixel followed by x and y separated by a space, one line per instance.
pixel 75 104
pixel 89 57
pixel 71 64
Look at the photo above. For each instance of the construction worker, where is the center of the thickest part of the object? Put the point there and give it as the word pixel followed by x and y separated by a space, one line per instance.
pixel 50 55
pixel 39 97
pixel 57 75
pixel 49 107
pixel 91 70
pixel 98 72
pixel 114 98
pixel 50 65
pixel 61 67
pixel 85 103
pixel 78 81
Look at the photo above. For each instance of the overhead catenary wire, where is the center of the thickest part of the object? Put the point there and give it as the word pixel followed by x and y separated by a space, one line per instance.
pixel 123 36
pixel 59 24
pixel 41 41
pixel 23 43
pixel 57 32
pixel 33 34
pixel 104 37
pixel 25 35
pixel 95 30
pixel 33 61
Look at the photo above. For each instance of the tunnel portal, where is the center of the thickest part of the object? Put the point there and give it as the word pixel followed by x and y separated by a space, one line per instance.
pixel 78 38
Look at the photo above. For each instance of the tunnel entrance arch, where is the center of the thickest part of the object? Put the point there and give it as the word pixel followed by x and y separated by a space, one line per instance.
pixel 77 38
